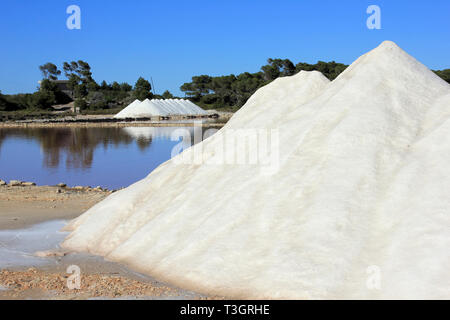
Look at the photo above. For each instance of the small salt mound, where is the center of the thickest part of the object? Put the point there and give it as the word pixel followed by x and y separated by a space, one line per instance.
pixel 131 108
pixel 160 107
pixel 357 208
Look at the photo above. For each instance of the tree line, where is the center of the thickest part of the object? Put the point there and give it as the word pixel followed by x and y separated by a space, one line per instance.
pixel 232 91
pixel 220 92
pixel 84 90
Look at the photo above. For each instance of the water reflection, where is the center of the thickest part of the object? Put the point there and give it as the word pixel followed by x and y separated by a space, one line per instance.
pixel 78 143
pixel 79 149
pixel 144 135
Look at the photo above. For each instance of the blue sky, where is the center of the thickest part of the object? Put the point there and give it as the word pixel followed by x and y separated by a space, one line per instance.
pixel 171 41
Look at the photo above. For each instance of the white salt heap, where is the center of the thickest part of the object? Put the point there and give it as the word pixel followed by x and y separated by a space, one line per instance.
pixel 132 108
pixel 157 107
pixel 358 208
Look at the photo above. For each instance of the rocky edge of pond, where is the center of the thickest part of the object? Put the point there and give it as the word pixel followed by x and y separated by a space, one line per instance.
pixel 19 183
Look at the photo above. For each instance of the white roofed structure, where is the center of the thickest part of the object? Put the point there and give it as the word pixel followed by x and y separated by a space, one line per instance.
pixel 355 183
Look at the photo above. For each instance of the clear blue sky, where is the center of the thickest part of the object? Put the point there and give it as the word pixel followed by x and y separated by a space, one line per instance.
pixel 172 41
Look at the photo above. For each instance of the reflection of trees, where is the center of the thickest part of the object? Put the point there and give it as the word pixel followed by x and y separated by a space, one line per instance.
pixel 78 143
pixel 2 138
pixel 143 143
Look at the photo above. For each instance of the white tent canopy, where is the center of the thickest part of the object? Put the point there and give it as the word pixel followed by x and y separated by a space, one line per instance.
pixel 160 107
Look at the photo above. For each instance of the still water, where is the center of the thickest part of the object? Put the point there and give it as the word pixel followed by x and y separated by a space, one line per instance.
pixel 108 157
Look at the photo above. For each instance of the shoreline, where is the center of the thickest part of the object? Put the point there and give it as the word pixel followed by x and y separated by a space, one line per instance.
pixel 108 124
pixel 99 279
pixel 216 119
pixel 22 208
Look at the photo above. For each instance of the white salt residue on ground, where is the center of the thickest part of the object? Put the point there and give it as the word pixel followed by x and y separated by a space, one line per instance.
pixel 18 247
pixel 358 208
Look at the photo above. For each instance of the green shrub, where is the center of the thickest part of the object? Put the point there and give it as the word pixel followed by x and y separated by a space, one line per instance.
pixel 81 104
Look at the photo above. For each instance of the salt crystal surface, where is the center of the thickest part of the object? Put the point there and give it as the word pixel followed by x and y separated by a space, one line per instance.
pixel 357 208
pixel 160 107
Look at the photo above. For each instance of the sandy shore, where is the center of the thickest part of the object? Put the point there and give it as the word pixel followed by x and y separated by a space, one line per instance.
pixel 23 207
pixel 108 121
pixel 33 283
pixel 108 124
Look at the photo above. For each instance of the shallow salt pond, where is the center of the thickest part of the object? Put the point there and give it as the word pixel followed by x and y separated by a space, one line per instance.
pixel 110 157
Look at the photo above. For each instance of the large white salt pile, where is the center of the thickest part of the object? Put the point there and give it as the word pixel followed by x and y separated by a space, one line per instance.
pixel 160 107
pixel 358 208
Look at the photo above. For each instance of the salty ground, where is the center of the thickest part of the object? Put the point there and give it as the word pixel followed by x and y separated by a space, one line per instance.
pixel 33 267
